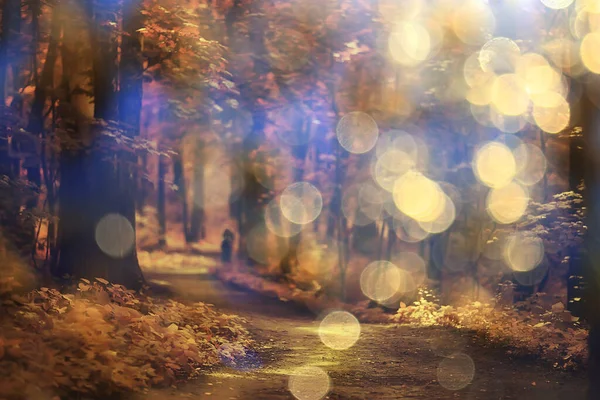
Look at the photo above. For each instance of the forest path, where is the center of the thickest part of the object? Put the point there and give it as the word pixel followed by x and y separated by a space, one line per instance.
pixel 387 362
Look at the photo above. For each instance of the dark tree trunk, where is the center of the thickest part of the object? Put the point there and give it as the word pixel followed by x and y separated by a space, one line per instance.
pixel 179 180
pixel 11 23
pixel 251 205
pixel 591 130
pixel 197 228
pixel 574 275
pixel 302 129
pixel 94 184
pixel 160 201
pixel 130 111
pixel 391 240
pixel 36 118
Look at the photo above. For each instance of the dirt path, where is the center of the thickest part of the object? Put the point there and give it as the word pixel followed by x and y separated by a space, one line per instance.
pixel 387 362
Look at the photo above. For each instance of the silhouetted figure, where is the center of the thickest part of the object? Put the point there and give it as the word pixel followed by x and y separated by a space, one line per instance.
pixel 227 246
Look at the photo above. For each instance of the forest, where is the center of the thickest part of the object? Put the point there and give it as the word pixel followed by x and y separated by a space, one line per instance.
pixel 299 199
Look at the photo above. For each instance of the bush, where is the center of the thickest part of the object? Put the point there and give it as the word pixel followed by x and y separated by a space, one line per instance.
pixel 103 339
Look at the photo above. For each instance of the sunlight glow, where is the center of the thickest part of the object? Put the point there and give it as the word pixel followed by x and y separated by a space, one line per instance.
pixel 223 189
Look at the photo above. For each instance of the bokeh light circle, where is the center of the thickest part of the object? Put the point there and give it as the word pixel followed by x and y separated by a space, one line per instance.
pixel 456 371
pixel 412 270
pixel 380 280
pixel 351 207
pixel 509 95
pixel 557 4
pixel 444 220
pixel 409 230
pixel 589 52
pixel 531 164
pixel 277 223
pixel 552 119
pixel 533 277
pixel 301 203
pixel 339 330
pixel 409 43
pixel 357 132
pixel 115 235
pixel 472 72
pixel 390 166
pixel 494 165
pixel 272 168
pixel 309 383
pixel 508 203
pixel 262 247
pixel 317 260
pixel 473 22
pixel 418 196
pixel 507 123
pixel 499 55
pixel 523 253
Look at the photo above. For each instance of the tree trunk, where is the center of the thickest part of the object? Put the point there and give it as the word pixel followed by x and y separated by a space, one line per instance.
pixel 11 22
pixel 253 190
pixel 197 229
pixel 95 189
pixel 179 178
pixel 160 202
pixel 590 125
pixel 36 118
pixel 574 276
pixel 302 129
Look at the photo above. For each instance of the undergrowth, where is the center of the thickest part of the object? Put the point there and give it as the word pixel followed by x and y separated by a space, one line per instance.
pixel 100 339
pixel 530 327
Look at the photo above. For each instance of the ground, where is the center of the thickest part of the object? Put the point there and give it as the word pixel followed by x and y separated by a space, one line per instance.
pixel 388 362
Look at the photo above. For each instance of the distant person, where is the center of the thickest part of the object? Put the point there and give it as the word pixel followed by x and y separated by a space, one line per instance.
pixel 227 246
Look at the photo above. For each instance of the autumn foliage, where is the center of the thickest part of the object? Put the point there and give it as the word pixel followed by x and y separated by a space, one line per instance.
pixel 101 339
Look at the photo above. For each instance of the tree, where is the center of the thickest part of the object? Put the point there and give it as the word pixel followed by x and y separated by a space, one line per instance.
pixel 96 199
pixel 591 129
